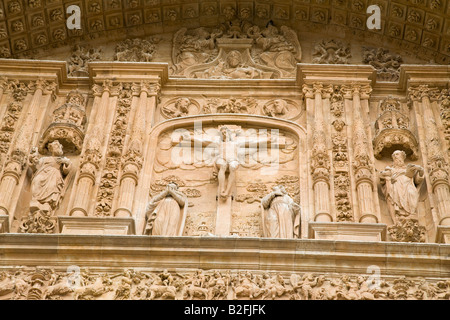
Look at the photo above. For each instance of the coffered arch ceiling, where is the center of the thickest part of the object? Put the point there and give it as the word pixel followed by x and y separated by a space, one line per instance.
pixel 37 28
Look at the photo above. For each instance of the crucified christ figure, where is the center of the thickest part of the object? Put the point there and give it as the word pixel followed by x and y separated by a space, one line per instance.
pixel 229 149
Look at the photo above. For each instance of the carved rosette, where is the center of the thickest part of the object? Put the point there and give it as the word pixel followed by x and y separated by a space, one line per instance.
pixel 407 230
pixel 68 125
pixel 392 129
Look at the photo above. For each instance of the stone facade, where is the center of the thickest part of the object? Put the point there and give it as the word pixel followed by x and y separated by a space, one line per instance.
pixel 227 159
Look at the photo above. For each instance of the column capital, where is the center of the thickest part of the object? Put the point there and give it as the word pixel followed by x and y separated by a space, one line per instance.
pixel 417 93
pixel 350 90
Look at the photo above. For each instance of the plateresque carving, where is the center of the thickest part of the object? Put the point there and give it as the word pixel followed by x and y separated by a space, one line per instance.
pixel 47 188
pixel 280 215
pixel 166 212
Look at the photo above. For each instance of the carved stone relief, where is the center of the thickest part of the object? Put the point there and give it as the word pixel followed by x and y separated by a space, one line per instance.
pixel 280 215
pixel 166 212
pixel 136 50
pixel 386 64
pixel 131 284
pixel 48 186
pixel 274 108
pixel 114 151
pixel 331 52
pixel 340 158
pixel 236 50
pixel 68 125
pixel 79 59
pixel 400 185
pixel 393 130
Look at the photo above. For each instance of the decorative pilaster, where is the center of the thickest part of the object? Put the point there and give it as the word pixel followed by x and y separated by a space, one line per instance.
pixel 344 212
pixel 92 156
pixel 437 164
pixel 362 163
pixel 320 162
pixel 16 159
pixel 114 151
pixel 133 157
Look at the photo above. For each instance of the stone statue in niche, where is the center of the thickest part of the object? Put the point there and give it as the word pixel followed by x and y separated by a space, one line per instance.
pixel 280 215
pixel 47 187
pixel 400 184
pixel 166 212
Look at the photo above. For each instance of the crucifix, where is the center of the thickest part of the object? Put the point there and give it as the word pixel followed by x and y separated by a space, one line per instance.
pixel 229 145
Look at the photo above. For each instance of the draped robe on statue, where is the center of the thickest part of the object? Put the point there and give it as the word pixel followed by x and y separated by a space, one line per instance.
pixel 401 191
pixel 165 216
pixel 47 185
pixel 280 217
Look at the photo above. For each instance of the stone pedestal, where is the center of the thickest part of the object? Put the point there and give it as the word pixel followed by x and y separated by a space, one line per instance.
pixel 4 223
pixel 96 226
pixel 347 231
pixel 443 234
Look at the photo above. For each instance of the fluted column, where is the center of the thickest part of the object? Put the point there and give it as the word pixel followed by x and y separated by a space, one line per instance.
pixel 132 160
pixel 437 164
pixel 362 163
pixel 320 161
pixel 90 160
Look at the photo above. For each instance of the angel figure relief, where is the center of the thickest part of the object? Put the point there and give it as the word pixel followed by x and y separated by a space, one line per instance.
pixel 271 52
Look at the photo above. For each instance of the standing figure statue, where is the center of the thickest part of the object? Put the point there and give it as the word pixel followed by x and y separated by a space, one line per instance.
pixel 48 185
pixel 400 183
pixel 166 212
pixel 280 215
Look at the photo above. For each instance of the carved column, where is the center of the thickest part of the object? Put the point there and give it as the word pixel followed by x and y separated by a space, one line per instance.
pixel 320 162
pixel 437 165
pixel 362 164
pixel 90 160
pixel 132 160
